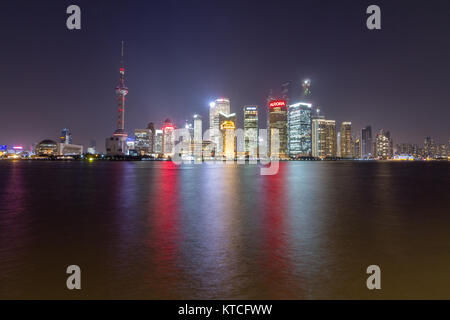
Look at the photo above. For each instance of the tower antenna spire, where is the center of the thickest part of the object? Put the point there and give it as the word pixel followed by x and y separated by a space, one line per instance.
pixel 121 53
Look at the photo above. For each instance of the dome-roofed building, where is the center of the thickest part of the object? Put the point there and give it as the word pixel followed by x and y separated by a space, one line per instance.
pixel 46 148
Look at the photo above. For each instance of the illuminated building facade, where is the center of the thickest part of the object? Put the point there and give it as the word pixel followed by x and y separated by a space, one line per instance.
pixel 65 149
pixel 66 136
pixel 429 148
pixel 186 139
pixel 338 144
pixel 346 140
pixel 158 149
pixel 143 141
pixel 366 143
pixel 151 127
pixel 46 148
pixel 131 145
pixel 324 143
pixel 190 128
pixel 300 130
pixel 168 139
pixel 221 105
pixel 227 124
pixel 198 137
pixel 251 131
pixel 277 121
pixel 383 147
pixel 3 150
pixel 405 149
pixel 357 148
pixel 442 151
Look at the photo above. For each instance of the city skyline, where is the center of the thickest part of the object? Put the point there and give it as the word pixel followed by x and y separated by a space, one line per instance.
pixel 224 159
pixel 173 78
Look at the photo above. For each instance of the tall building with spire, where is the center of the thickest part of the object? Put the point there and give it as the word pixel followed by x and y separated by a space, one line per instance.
pixel 306 91
pixel 117 144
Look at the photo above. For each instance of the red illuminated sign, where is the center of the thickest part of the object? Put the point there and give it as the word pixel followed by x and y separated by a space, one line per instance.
pixel 277 103
pixel 168 126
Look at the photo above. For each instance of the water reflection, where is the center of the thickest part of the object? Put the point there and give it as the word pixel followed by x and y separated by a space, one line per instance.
pixel 163 237
pixel 15 233
pixel 155 230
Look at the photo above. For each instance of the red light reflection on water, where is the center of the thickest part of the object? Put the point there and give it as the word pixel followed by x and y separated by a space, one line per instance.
pixel 275 261
pixel 164 235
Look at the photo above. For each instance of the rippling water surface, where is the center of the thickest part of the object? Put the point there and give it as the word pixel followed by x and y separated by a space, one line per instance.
pixel 152 230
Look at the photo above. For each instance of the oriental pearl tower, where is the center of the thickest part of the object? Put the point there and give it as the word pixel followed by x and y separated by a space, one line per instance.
pixel 121 92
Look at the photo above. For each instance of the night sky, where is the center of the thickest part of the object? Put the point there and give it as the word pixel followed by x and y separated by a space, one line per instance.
pixel 180 55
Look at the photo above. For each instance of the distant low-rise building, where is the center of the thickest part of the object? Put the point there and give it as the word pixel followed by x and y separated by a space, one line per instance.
pixel 65 149
pixel 116 145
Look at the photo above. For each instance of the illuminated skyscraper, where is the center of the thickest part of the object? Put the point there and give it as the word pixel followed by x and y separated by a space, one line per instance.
pixel 357 148
pixel 346 140
pixel 190 128
pixel 66 136
pixel 251 131
pixel 277 121
pixel 117 145
pixel 324 138
pixel 300 130
pixel 151 127
pixel 186 140
pixel 429 148
pixel 216 107
pixel 158 147
pixel 168 139
pixel 338 144
pixel 383 145
pixel 442 151
pixel 198 137
pixel 227 124
pixel 142 141
pixel 366 143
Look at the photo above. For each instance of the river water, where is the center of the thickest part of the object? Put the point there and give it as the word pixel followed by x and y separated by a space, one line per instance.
pixel 154 230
